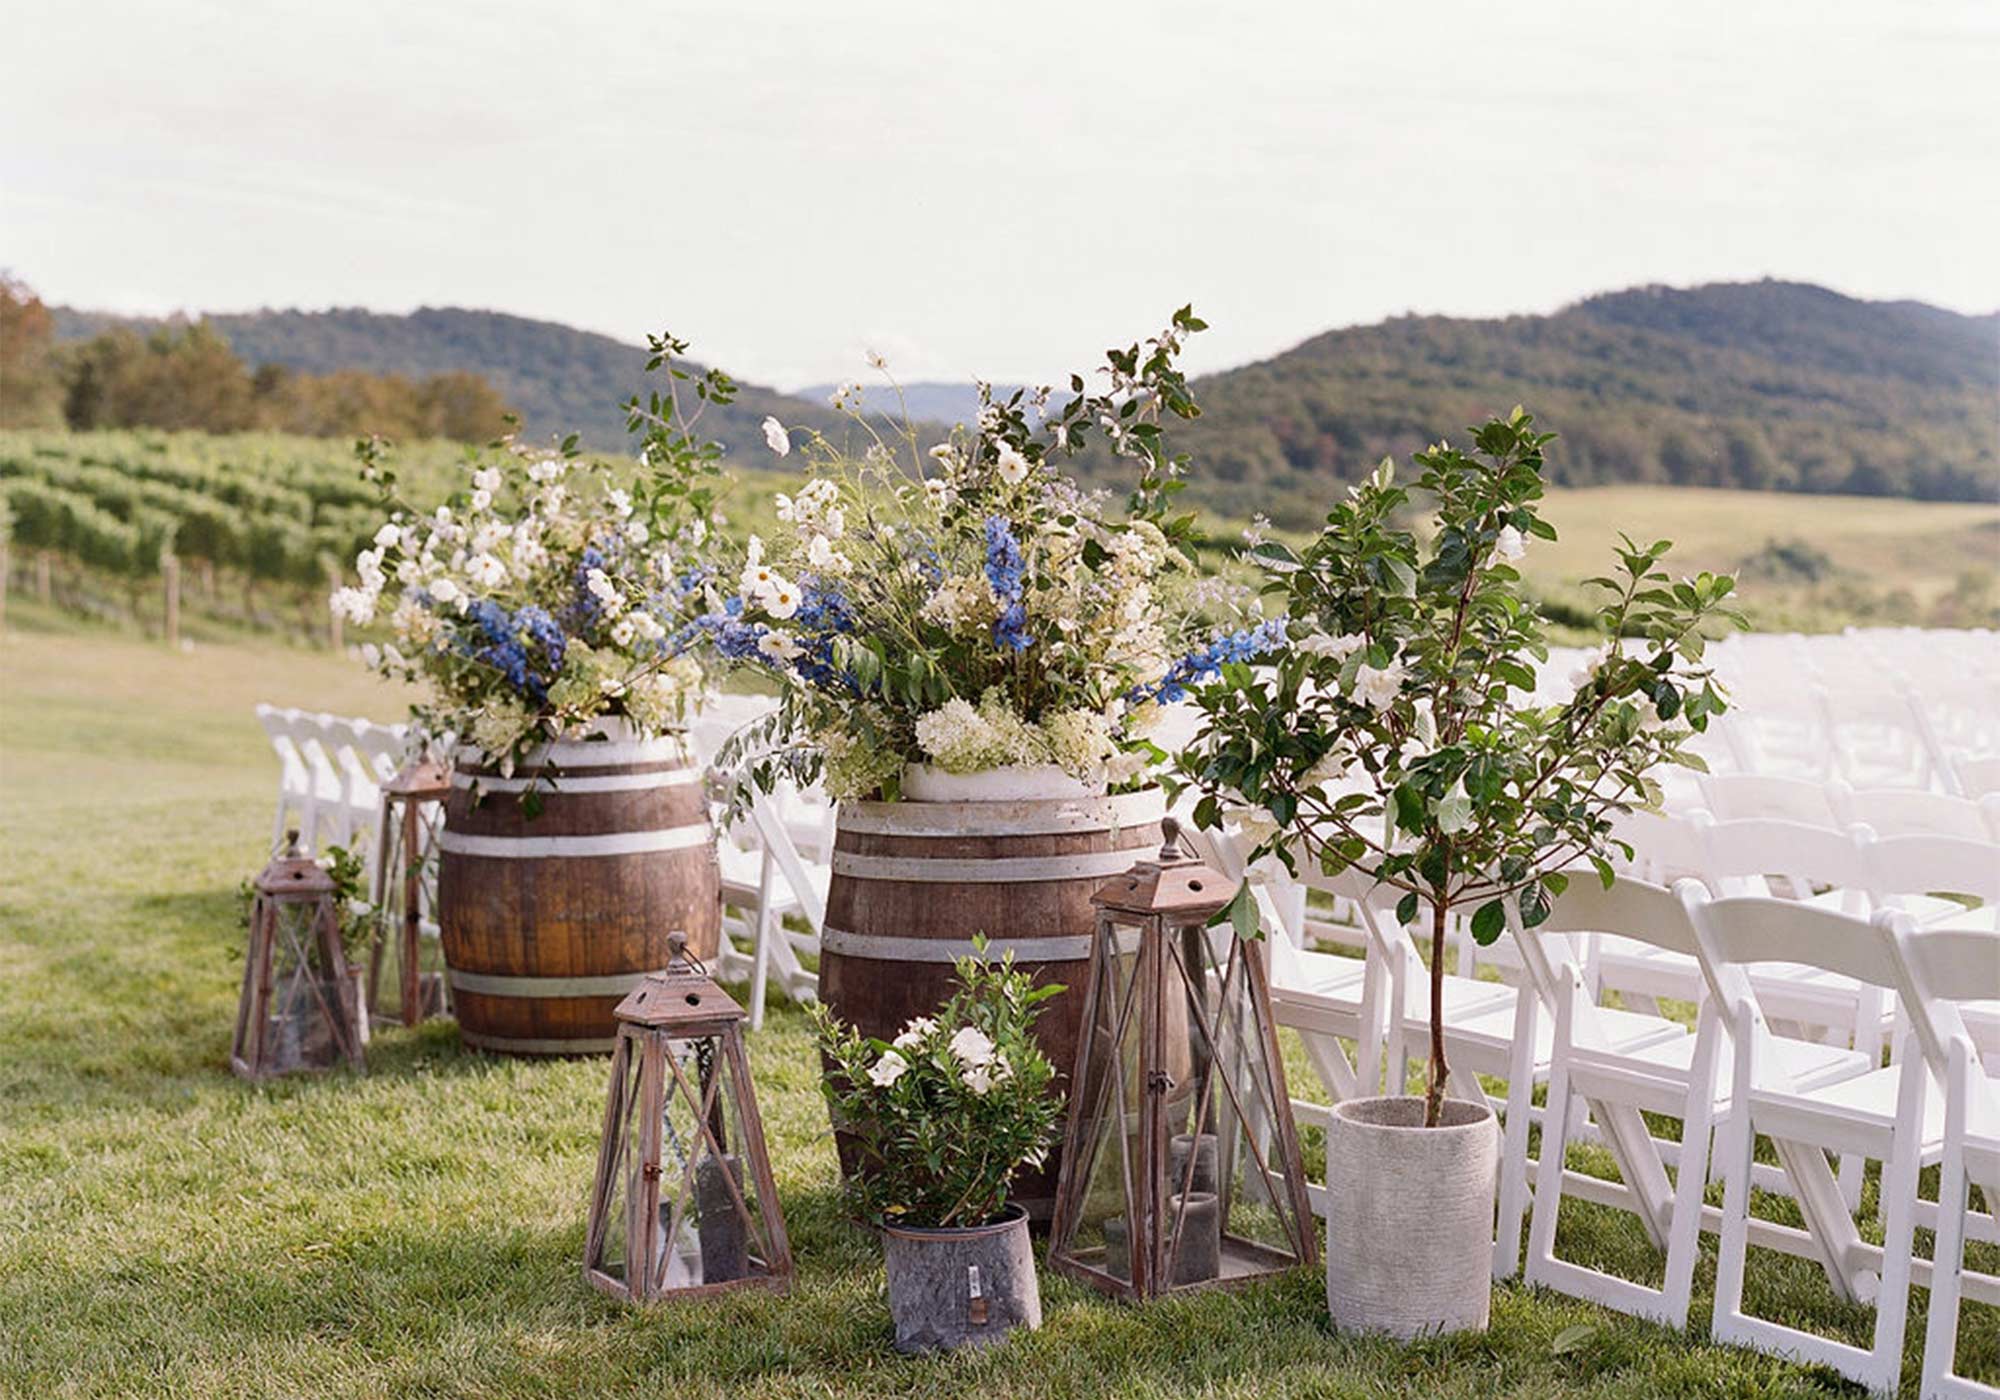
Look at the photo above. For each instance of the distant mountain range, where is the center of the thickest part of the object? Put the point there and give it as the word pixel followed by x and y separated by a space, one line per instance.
pixel 927 401
pixel 1770 385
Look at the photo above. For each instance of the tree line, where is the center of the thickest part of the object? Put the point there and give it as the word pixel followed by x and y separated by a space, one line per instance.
pixel 185 375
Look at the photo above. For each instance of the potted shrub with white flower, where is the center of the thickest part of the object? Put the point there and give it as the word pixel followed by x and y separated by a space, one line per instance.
pixel 970 648
pixel 1399 734
pixel 942 1115
pixel 547 609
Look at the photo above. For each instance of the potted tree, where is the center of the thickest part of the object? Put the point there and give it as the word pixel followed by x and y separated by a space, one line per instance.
pixel 940 1118
pixel 1398 732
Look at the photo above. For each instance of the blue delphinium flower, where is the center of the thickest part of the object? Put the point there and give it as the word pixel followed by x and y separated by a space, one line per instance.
pixel 1005 571
pixel 1244 644
pixel 499 644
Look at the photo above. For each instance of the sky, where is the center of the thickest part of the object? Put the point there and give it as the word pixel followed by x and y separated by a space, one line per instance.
pixel 992 190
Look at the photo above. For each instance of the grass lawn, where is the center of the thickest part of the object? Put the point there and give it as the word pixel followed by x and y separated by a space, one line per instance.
pixel 167 1230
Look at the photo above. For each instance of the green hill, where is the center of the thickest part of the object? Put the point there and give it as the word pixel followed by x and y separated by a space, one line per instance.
pixel 1767 385
pixel 560 379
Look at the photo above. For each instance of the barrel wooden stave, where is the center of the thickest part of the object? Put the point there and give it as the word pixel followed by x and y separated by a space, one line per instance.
pixel 880 995
pixel 561 895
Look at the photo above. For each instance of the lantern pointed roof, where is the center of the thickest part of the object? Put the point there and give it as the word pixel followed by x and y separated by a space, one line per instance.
pixel 1174 882
pixel 293 873
pixel 682 997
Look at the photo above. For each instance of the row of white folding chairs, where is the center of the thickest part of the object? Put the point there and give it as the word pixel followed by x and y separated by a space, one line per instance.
pixel 1622 1063
pixel 1735 1078
pixel 330 769
pixel 1873 735
pixel 1837 803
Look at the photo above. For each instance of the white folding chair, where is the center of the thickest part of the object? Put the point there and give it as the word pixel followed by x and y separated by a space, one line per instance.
pixel 1674 1078
pixel 1978 775
pixel 1870 1115
pixel 295 780
pixel 1940 968
pixel 1730 797
pixel 1907 872
pixel 1915 811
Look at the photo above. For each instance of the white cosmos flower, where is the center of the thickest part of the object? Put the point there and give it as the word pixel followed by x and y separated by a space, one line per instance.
pixel 486 571
pixel 972 1046
pixel 1320 644
pixel 1378 688
pixel 822 555
pixel 776 438
pixel 1013 466
pixel 623 631
pixel 781 599
pixel 1509 545
pixel 888 1069
pixel 779 647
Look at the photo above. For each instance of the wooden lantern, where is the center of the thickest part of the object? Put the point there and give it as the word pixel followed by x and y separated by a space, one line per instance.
pixel 300 1008
pixel 1181 1162
pixel 684 1202
pixel 400 990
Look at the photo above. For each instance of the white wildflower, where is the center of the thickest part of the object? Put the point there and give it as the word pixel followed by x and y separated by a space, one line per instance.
pixel 779 647
pixel 623 631
pixel 486 571
pixel 481 499
pixel 1509 546
pixel 387 536
pixel 781 600
pixel 1012 466
pixel 776 438
pixel 444 591
pixel 619 501
pixel 979 1079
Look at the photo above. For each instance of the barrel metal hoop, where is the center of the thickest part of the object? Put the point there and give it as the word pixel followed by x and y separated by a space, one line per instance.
pixel 561 785
pixel 617 843
pixel 531 1045
pixel 998 870
pixel 488 984
pixel 895 948
pixel 1053 817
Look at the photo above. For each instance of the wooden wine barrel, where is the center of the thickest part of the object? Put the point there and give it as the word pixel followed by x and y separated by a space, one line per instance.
pixel 914 882
pixel 548 921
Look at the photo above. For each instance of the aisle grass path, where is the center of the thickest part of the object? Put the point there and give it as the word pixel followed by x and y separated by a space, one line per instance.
pixel 166 1230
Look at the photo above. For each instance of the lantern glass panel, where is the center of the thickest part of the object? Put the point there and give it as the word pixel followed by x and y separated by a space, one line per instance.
pixel 609 1253
pixel 406 973
pixel 1109 1093
pixel 709 1223
pixel 307 1014
pixel 1228 1210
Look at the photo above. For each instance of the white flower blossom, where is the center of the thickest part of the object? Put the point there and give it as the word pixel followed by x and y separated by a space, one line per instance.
pixel 481 499
pixel 776 438
pixel 1509 546
pixel 357 605
pixel 620 502
pixel 486 571
pixel 623 631
pixel 979 1079
pixel 972 1046
pixel 1012 466
pixel 888 1069
pixel 914 1033
pixel 443 590
pixel 1378 689
pixel 779 647
pixel 387 536
pixel 1320 644
pixel 781 599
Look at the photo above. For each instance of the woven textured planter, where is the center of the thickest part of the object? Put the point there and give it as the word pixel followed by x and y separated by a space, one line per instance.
pixel 1409 1219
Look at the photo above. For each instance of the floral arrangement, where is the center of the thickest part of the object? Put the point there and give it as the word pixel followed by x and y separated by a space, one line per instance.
pixel 943 1115
pixel 1397 732
pixel 545 594
pixel 970 607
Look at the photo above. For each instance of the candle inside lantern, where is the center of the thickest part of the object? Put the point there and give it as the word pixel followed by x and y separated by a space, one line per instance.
pixel 725 1252
pixel 1202 1145
pixel 1117 1247
pixel 1198 1238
